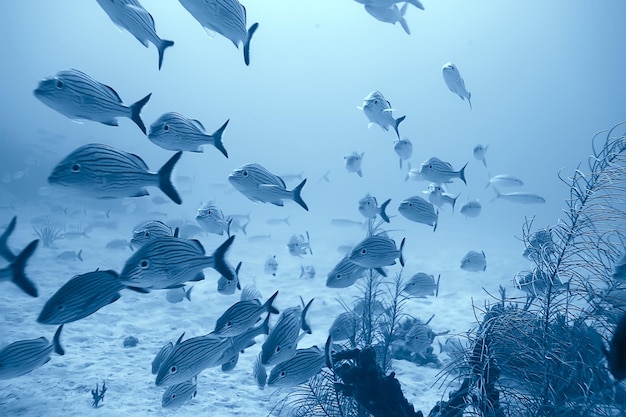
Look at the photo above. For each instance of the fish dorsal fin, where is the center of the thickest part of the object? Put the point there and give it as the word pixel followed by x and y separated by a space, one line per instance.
pixel 141 10
pixel 198 124
pixel 137 159
pixel 176 231
pixel 112 93
pixel 198 245
pixel 110 272
pixel 180 339
pixel 238 268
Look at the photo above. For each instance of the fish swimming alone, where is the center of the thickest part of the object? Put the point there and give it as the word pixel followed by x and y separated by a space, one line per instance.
pixel 519 197
pixel 455 82
pixel 422 285
pixel 78 96
pixel 378 111
pixel 391 14
pixel 474 261
pixel 24 356
pixel 368 207
pixel 175 132
pixel 479 153
pixel 418 210
pixel 471 209
pixel 435 170
pixel 404 149
pixel 353 162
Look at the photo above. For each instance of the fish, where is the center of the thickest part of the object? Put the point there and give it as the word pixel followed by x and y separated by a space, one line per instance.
pixel 242 315
pixel 235 223
pixel 537 282
pixel 353 162
pixel 5 252
pixel 404 149
pixel 170 262
pixel 298 369
pixel 540 246
pixel 282 220
pixel 260 185
pixel 179 394
pixel 298 246
pixel 389 3
pixel 375 252
pixel 419 339
pixel 81 296
pixel 455 82
pixel 504 180
pixel 105 172
pixel 344 274
pixel 435 170
pixel 150 230
pixel 244 341
pixel 422 285
pixel 419 210
pixel 619 269
pixel 130 15
pixel 228 287
pixel 226 17
pixel 163 353
pixel 616 355
pixel 281 343
pixel 177 295
pixel 15 271
pixel 390 14
pixel 474 261
pixel 175 132
pixel 24 356
pixel 471 209
pixel 344 326
pixel 414 174
pixel 259 373
pixel 70 255
pixel 211 218
pixel 378 111
pixel 368 207
pixel 479 153
pixel 190 357
pixel 346 222
pixel 437 196
pixel 117 244
pixel 519 197
pixel 250 292
pixel 76 95
pixel 307 271
pixel 271 265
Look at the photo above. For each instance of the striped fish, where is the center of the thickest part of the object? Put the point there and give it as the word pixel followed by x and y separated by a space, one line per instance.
pixel 192 356
pixel 419 339
pixel 150 230
pixel 436 170
pixel 130 15
pixel 297 370
pixel 170 262
pixel 242 315
pixel 250 292
pixel 212 219
pixel 344 274
pixel 283 339
pixel 24 356
pixel 227 286
pixel 226 17
pixel 259 372
pixel 105 172
pixel 474 261
pixel 378 111
pixel 344 327
pixel 375 252
pixel 14 272
pixel 419 210
pixel 244 341
pixel 178 394
pixel 258 184
pixel 175 132
pixel 81 296
pixel 422 285
pixel 163 354
pixel 78 96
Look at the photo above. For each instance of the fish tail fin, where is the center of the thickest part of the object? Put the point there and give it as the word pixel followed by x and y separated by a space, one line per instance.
pixel 188 293
pixel 162 46
pixel 381 271
pixel 462 173
pixel 135 110
pixel 79 255
pixel 469 99
pixel 265 326
pixel 5 252
pixel 408 166
pixel 403 23
pixel 402 247
pixel 400 162
pixel 360 173
pixel 19 264
pixel 268 304
pixel 454 202
pixel 397 123
pixel 246 45
pixel 497 193
pixel 297 197
pixel 243 229
pixel 417 4
pixel 437 287
pixel 219 261
pixel 308 241
pixel 56 341
pixel 485 162
pixel 383 207
pixel 165 180
pixel 435 226
pixel 217 139
pixel 306 326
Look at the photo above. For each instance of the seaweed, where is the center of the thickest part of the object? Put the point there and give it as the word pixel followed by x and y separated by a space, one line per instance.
pixel 48 234
pixel 98 394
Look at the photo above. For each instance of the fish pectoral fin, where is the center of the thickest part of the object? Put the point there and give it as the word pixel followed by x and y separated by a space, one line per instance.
pixel 388 110
pixel 172 287
pixel 370 124
pixel 111 122
pixel 141 193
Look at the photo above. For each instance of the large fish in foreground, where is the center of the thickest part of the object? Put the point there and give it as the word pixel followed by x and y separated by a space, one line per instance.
pixel 14 272
pixel 455 82
pixel 258 184
pixel 24 356
pixel 378 111
pixel 102 171
pixel 226 17
pixel 79 97
pixel 130 15
pixel 175 132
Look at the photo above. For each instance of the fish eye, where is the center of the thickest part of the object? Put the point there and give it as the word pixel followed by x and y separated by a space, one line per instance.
pixel 60 307
pixel 229 324
pixel 173 370
pixel 363 251
pixel 173 396
pixel 59 84
pixel 76 168
pixel 208 212
pixel 430 166
pixel 144 264
pixel 375 101
pixel 277 349
pixel 282 373
pixel 244 173
pixel 147 234
pixel 166 127
pixel 338 276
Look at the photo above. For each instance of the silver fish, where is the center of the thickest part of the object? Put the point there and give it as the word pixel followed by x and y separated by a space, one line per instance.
pixel 375 252
pixel 344 274
pixel 344 327
pixel 419 339
pixel 76 95
pixel 298 245
pixel 438 197
pixel 504 180
pixel 479 153
pixel 307 272
pixel 346 223
pixel 474 261
pixel 390 14
pixel 211 218
pixel 226 17
pixel 519 197
pixel 438 171
pixel 150 230
pixel 105 172
pixel 419 210
pixel 368 207
pixel 540 246
pixel 258 184
pixel 455 82
pixel 227 286
pixel 244 341
pixel 378 111
pixel 271 265
pixel 471 209
pixel 353 162
pixel 422 285
pixel 242 315
pixel 117 244
pixel 170 262
pixel 283 220
pixel 235 223
pixel 24 356
pixel 161 356
pixel 179 394
pixel 404 149
pixel 298 369
pixel 175 132
pixel 70 255
pixel 389 3
pixel 130 15
pixel 177 295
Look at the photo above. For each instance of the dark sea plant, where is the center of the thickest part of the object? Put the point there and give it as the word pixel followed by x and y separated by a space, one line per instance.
pixel 48 234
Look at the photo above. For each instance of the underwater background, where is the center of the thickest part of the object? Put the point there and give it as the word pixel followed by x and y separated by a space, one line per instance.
pixel 544 78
